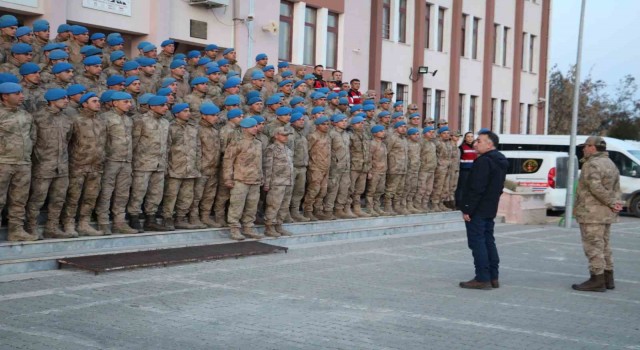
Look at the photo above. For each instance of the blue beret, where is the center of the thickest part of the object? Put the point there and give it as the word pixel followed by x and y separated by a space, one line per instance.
pixel 298 83
pixel 209 109
pixel 58 55
pixel 414 115
pixel 211 47
pixel 86 48
pixel 50 46
pixel 308 76
pixel 360 114
pixel 338 118
pixel 61 67
pixel 157 100
pixel 232 82
pixel 114 40
pixel 22 31
pixel 149 48
pixel 76 89
pixel 63 28
pixel 167 42
pixel 285 82
pixel 343 93
pixel 232 100
pixel 163 91
pixel 287 74
pixel 77 30
pixel 213 69
pixel 377 128
pixel 399 124
pixel 258 118
pixel 115 80
pixel 261 56
pixel 283 64
pixel 427 129
pixel 10 88
pixel 343 101
pixel 29 68
pixel 355 108
pixel 257 75
pixel 253 93
pixel 146 61
pixel 367 108
pixel 317 109
pixel 248 123
pixel 199 80
pixel 177 63
pixel 412 131
pixel 283 111
pixel 142 44
pixel 114 35
pixel 119 95
pixel 55 94
pixel 234 113
pixel 193 54
pixel 321 120
pixel 443 129
pixel 295 100
pixel 179 107
pixel 332 95
pixel 179 56
pixel 226 51
pixel 295 117
pixel 273 100
pixel 254 100
pixel 116 55
pixel 8 78
pixel 268 68
pixel 203 60
pixel 483 130
pixel 96 36
pixel 383 114
pixel 8 21
pixel 368 102
pixel 167 81
pixel 318 95
pixel 299 109
pixel 106 96
pixel 130 80
pixel 92 51
pixel 384 100
pixel 40 25
pixel 323 90
pixel 398 103
pixel 92 61
pixel 396 115
pixel 87 96
pixel 356 120
pixel 144 98
pixel 223 61
pixel 21 48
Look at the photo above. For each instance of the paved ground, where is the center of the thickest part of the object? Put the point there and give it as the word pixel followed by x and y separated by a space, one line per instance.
pixel 391 293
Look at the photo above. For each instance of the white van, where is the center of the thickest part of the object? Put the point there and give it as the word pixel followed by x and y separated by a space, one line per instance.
pixel 541 171
pixel 626 157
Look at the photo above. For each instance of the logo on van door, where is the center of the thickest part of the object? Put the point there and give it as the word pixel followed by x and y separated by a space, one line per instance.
pixel 530 166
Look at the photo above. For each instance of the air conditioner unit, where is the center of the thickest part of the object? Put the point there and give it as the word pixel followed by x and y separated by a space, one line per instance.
pixel 271 27
pixel 209 3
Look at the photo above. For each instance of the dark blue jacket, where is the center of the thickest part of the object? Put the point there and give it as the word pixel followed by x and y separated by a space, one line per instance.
pixel 484 186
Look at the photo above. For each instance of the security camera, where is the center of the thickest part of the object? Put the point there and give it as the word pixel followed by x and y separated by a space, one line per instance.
pixel 250 17
pixel 541 100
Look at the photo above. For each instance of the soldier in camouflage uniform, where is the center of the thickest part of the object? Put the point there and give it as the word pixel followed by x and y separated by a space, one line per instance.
pixel 242 173
pixel 454 169
pixel 443 153
pixel 318 170
pixel 178 72
pixel 50 171
pixel 215 90
pixel 17 135
pixel 596 208
pixel 414 147
pixel 92 77
pixel 183 163
pixel 197 96
pixel 360 141
pixel 300 163
pixel 278 181
pixel 396 169
pixel 428 164
pixel 74 93
pixel 339 174
pixel 8 27
pixel 32 87
pixel 229 134
pixel 283 116
pixel 147 75
pixel 86 159
pixel 62 76
pixel 261 61
pixel 117 59
pixel 149 144
pixel 20 53
pixel 377 174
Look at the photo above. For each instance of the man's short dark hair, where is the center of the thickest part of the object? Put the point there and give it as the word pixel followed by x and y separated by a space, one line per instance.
pixel 354 80
pixel 318 65
pixel 493 137
pixel 601 148
pixel 335 71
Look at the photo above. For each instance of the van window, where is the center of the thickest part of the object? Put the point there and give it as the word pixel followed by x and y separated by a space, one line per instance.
pixel 626 166
pixel 524 165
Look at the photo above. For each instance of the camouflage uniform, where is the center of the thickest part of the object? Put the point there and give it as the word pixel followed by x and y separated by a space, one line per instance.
pixel 318 171
pixel 11 66
pixel 33 96
pixel 413 169
pixel 195 99
pixel 339 173
pixel 396 171
pixel 300 163
pixel 229 134
pixel 206 185
pixel 454 170
pixel 270 129
pixel 360 166
pixel 147 82
pixel 376 183
pixel 428 164
pixel 97 84
pixel 183 87
pixel 164 60
pixel 75 57
pixel 278 177
pixel 443 154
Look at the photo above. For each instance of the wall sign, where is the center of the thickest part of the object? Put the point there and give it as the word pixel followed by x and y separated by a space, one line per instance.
pixel 120 7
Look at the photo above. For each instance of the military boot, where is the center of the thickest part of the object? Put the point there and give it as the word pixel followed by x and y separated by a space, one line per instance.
pixel 220 218
pixel 84 229
pixel 357 210
pixel 134 222
pixel 388 208
pixel 376 207
pixel 289 218
pixel 309 215
pixel 270 231
pixel 341 214
pixel 52 230
pixel 608 279
pixel 70 228
pixel 398 208
pixel 31 226
pixel 371 207
pixel 250 232
pixel 295 214
pixel 168 223
pixel 282 231
pixel 595 283
pixel 443 207
pixel 182 224
pixel 411 208
pixel 206 219
pixel 234 233
pixel 195 221
pixel 435 207
pixel 150 224
pixel 18 234
pixel 105 228
pixel 324 215
pixel 123 228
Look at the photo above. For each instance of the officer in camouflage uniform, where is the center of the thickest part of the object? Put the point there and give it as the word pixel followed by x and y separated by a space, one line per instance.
pixel 32 87
pixel 396 169
pixel 50 171
pixel 377 174
pixel 359 145
pixel 339 174
pixel 20 53
pixel 596 208
pixel 428 164
pixel 229 134
pixel 148 76
pixel 443 153
pixel 413 169
pixel 278 181
pixel 92 77
pixel 318 170
pixel 283 116
pixel 197 97
pixel 74 93
pixel 62 76
pixel 242 173
pixel 300 163
pixel 454 169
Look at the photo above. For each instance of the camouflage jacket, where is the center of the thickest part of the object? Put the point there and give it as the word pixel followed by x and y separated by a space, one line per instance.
pixel 33 96
pixel 149 142
pixel 443 152
pixel 378 156
pixel 319 150
pixel 598 190
pixel 270 129
pixel 147 83
pixel 300 148
pixel 210 143
pixel 183 87
pixel 396 154
pixel 119 129
pixel 17 135
pixel 50 152
pixel 360 151
pixel 184 150
pixel 229 134
pixel 243 161
pixel 11 66
pixel 92 83
pixel 246 78
pixel 88 142
pixel 74 52
pixel 455 156
pixel 428 160
pixel 195 100
pixel 340 154
pixel 413 156
pixel 278 165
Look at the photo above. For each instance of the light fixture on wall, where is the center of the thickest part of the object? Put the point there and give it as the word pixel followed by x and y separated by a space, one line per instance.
pixel 421 70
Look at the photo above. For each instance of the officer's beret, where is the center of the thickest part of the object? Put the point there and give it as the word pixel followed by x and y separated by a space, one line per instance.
pixel 40 25
pixel 23 31
pixel 203 60
pixel 318 95
pixel 360 114
pixel 323 90
pixel 343 93
pixel 76 89
pixel 93 51
pixel 167 81
pixel 285 82
pixel 209 109
pixel 283 111
pixel 177 64
pixel 254 100
pixel 10 88
pixel 283 64
pixel 232 74
pixel 232 100
pixel 55 94
pixel 355 108
pixel 114 40
pixel 92 61
pixel 399 124
pixel 149 48
pixel 211 47
pixel 321 120
pixel 8 21
pixel 163 91
pixel 228 50
pixel 115 80
pixel 298 83
pixel 21 48
pixel 234 113
pixel 223 61
pixel 106 96
pixel 87 96
pixel 261 56
pixel 63 28
pixel 29 68
pixel 193 54
pixel 295 117
pixel 199 80
pixel 8 78
pixel 295 100
pixel 119 95
pixel 157 100
pixel 443 129
pixel 268 68
pixel 96 36
pixel 356 120
pixel 253 93
pixel 367 108
pixel 308 76
pixel 338 118
pixel 146 61
pixel 377 129
pixel 179 107
pixel 427 129
pixel 396 115
pixel 299 109
pixel 414 115
pixel 398 103
pixel 86 48
pixel 116 55
pixel 144 98
pixel 412 131
pixel 58 55
pixel 213 69
pixel 273 100
pixel 258 118
pixel 286 74
pixel 77 30
pixel 317 109
pixel 179 56
pixel 142 44
pixel 167 42
pixel 384 100
pixel 383 114
pixel 343 101
pixel 50 46
pixel 130 80
pixel 257 75
pixel 61 67
pixel 248 123
pixel 232 82
pixel 368 103
pixel 332 95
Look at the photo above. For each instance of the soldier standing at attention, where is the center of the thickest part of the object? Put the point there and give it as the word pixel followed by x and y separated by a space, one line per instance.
pixel 278 180
pixel 597 206
pixel 396 169
pixel 183 163
pixel 428 164
pixel 360 164
pixel 377 174
pixel 318 170
pixel 454 170
pixel 230 133
pixel 300 163
pixel 50 171
pixel 443 153
pixel 18 133
pixel 242 173
pixel 339 174
pixel 413 169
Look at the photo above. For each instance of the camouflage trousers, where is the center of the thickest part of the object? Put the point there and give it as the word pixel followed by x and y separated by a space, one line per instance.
pixel 116 182
pixel 204 194
pixel 410 187
pixel 358 185
pixel 178 195
pixel 595 241
pixel 222 196
pixel 277 208
pixel 425 186
pixel 453 183
pixel 439 182
pixel 147 187
pixel 337 191
pixel 317 182
pixel 394 188
pixel 56 189
pixel 243 204
pixel 376 186
pixel 84 188
pixel 299 182
pixel 15 181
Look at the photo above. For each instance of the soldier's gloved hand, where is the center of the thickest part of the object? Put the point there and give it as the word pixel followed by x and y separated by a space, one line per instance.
pixel 229 184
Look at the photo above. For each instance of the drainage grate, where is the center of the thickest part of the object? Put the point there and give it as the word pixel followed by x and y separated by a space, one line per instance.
pixel 164 257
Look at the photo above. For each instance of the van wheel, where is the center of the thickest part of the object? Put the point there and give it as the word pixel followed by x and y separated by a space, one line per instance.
pixel 634 208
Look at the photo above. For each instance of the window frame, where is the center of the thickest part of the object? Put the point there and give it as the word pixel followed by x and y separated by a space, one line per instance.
pixel 440 38
pixel 386 18
pixel 427 20
pixel 289 21
pixel 505 44
pixel 474 38
pixel 463 39
pixel 532 46
pixel 314 26
pixel 473 105
pixel 335 30
pixel 402 21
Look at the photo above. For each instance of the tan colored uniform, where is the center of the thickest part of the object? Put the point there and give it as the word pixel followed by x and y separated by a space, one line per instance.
pixel 396 167
pixel 206 186
pixel 300 163
pixel 360 164
pixel 376 184
pixel 318 170
pixel 428 164
pixel 339 173
pixel 278 177
pixel 413 169
pixel 443 153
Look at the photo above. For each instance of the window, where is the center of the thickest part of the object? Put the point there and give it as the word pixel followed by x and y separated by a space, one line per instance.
pixel 386 19
pixel 285 31
pixel 402 93
pixel 503 117
pixel 332 40
pixel 427 28
pixel 440 29
pixel 532 40
pixel 522 59
pixel 440 100
pixel 426 104
pixel 402 22
pixel 505 37
pixel 529 118
pixel 494 109
pixel 472 112
pixel 308 57
pixel 474 38
pixel 463 39
pixel 384 85
pixel 461 110
pixel 523 119
pixel 496 48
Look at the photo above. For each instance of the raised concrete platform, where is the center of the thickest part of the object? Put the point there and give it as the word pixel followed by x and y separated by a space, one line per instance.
pixel 25 257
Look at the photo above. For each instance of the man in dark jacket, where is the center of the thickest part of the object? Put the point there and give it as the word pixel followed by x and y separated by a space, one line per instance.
pixel 479 207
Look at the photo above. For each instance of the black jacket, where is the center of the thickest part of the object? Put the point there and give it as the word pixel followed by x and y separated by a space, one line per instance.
pixel 484 186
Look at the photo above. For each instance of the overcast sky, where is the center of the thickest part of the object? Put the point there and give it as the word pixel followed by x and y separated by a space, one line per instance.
pixel 611 40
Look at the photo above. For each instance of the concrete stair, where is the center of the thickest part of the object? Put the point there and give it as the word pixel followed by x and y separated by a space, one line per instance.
pixel 23 257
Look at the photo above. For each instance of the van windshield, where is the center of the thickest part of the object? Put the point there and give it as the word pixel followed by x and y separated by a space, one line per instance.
pixel 635 153
pixel 625 165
